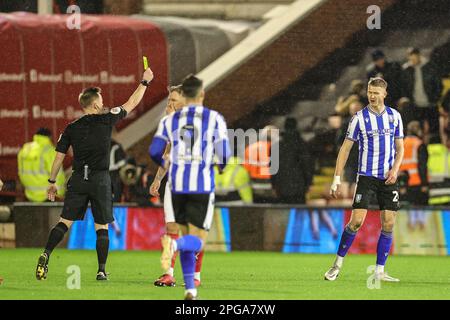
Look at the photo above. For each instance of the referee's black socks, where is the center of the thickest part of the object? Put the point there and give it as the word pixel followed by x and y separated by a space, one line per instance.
pixel 55 237
pixel 102 248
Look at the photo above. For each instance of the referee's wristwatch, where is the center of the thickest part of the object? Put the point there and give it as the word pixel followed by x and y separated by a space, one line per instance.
pixel 145 83
pixel 51 181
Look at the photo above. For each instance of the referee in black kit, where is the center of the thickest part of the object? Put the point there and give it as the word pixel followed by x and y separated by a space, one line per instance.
pixel 90 138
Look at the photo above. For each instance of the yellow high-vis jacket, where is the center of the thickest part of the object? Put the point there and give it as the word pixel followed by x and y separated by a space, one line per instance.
pixel 234 183
pixel 35 161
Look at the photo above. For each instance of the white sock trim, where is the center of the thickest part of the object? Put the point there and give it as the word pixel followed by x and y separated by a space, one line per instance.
pixel 197 276
pixel 174 246
pixel 379 269
pixel 339 261
pixel 192 291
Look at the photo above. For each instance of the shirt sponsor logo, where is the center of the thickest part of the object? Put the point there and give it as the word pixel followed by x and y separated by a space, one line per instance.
pixel 380 132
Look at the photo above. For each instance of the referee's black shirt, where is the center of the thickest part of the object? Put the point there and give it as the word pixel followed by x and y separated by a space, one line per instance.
pixel 90 138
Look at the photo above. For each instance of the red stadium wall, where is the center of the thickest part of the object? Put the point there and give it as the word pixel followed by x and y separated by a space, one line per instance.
pixel 44 66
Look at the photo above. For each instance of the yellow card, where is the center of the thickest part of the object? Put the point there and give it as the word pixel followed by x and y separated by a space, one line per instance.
pixel 144 58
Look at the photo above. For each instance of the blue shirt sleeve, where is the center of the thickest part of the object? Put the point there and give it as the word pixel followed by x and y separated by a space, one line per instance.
pixel 399 128
pixel 223 152
pixel 353 129
pixel 221 142
pixel 157 149
pixel 159 143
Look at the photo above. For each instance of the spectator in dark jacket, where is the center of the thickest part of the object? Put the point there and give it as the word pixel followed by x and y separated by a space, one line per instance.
pixel 406 111
pixel 118 159
pixel 423 87
pixel 389 71
pixel 357 94
pixel 296 167
pixel 137 179
pixel 440 57
pixel 444 125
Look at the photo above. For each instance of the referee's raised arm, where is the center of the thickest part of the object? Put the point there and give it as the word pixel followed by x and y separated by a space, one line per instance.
pixel 137 95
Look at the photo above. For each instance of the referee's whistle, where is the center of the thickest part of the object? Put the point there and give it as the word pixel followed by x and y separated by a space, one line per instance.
pixel 86 172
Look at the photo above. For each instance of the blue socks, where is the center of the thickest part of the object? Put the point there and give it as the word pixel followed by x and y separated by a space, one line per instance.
pixel 383 247
pixel 346 241
pixel 187 259
pixel 188 245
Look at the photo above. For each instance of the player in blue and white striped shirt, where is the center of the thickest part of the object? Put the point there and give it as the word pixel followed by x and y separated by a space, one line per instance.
pixel 378 130
pixel 197 136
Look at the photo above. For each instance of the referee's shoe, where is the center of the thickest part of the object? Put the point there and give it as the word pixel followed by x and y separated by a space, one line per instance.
pixel 42 267
pixel 102 276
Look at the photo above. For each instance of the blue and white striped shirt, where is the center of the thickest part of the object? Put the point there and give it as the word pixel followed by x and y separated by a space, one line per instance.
pixel 376 134
pixel 196 135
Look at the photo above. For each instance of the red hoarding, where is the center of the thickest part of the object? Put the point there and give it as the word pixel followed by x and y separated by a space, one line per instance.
pixel 44 65
pixel 145 228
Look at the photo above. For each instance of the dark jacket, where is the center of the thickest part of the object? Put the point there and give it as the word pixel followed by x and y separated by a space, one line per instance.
pixel 441 57
pixel 392 73
pixel 431 81
pixel 118 159
pixel 296 168
pixel 423 162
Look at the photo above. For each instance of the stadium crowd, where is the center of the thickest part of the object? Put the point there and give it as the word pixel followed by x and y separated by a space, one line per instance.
pixel 415 89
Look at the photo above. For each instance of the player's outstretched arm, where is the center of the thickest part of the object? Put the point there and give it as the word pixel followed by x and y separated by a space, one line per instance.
pixel 393 173
pixel 156 184
pixel 340 164
pixel 56 166
pixel 137 96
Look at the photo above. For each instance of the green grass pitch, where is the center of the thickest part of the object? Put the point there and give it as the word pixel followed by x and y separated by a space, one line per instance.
pixel 232 276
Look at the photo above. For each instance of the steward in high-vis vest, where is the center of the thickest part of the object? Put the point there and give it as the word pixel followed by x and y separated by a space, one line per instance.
pixel 233 184
pixel 414 165
pixel 257 162
pixel 35 163
pixel 439 172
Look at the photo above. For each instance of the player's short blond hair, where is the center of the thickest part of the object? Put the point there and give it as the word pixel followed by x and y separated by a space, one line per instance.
pixel 176 89
pixel 378 82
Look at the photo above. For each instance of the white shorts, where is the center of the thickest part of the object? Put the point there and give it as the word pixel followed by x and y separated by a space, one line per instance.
pixel 169 215
pixel 197 209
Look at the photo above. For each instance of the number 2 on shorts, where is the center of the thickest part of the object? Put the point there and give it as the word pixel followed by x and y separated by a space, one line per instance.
pixel 396 196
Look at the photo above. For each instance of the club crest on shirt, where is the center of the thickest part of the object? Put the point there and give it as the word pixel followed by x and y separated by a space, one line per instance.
pixel 391 118
pixel 358 198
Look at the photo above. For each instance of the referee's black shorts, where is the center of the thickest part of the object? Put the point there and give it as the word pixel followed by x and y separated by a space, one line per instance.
pixel 387 196
pixel 97 190
pixel 196 209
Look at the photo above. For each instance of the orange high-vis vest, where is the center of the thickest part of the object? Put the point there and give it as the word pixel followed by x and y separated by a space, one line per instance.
pixel 411 160
pixel 257 160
